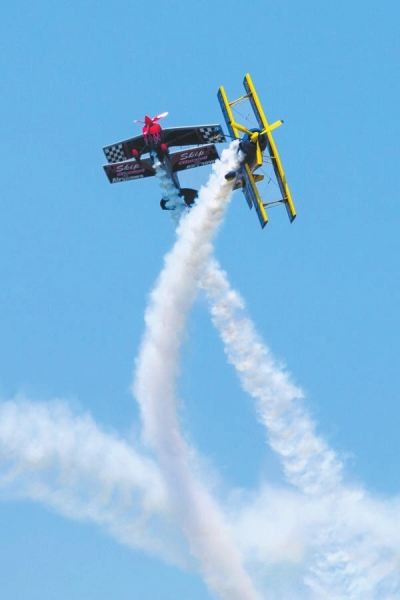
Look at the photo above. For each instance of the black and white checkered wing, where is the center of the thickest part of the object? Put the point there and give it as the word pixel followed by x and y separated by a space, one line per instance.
pixel 212 134
pixel 115 153
pixel 121 151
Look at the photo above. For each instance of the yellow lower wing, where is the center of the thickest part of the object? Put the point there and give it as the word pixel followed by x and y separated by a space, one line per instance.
pixel 252 195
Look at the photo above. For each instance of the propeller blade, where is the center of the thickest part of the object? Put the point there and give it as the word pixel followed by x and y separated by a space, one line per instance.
pixel 254 137
pixel 149 120
pixel 161 116
pixel 258 153
pixel 240 128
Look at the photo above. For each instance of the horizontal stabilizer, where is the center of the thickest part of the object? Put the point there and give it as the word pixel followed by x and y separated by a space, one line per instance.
pixel 256 178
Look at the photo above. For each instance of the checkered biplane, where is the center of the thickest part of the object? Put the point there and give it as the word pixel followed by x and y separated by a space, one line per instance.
pixel 149 154
pixel 257 146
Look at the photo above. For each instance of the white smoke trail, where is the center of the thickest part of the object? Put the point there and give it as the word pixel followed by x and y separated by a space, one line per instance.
pixel 309 464
pixel 67 463
pixel 176 204
pixel 351 561
pixel 201 519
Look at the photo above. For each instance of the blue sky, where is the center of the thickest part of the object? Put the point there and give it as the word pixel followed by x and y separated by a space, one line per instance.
pixel 78 257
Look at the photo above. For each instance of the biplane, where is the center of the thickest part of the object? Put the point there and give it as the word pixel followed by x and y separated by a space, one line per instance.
pixel 149 154
pixel 257 146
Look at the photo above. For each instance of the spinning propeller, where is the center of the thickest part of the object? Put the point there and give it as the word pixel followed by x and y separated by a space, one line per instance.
pixel 254 137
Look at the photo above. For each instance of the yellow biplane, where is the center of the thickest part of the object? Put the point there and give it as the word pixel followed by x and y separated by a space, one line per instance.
pixel 256 145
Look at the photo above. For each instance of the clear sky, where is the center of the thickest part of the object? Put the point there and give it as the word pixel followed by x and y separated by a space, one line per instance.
pixel 79 257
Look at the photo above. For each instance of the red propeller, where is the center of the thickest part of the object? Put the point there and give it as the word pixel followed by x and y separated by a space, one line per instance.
pixel 149 120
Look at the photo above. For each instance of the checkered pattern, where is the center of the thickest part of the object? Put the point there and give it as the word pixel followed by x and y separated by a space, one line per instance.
pixel 115 153
pixel 212 134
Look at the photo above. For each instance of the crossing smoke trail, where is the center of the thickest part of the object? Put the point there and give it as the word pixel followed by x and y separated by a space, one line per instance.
pixel 351 561
pixel 200 518
pixel 66 462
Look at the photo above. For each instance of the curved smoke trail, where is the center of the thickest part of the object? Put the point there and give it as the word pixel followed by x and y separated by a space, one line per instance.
pixel 351 562
pixel 199 516
pixel 68 463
